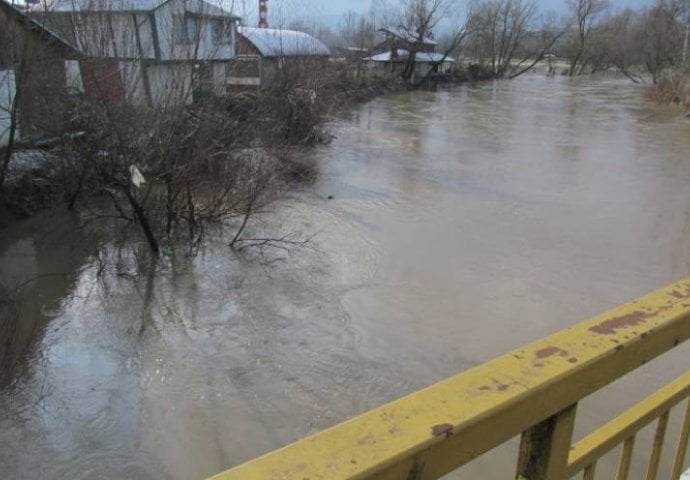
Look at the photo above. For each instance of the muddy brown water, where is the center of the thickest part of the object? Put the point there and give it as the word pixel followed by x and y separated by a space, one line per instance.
pixel 464 223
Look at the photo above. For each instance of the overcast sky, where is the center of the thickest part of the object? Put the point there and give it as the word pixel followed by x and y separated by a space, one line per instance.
pixel 331 11
pixel 340 6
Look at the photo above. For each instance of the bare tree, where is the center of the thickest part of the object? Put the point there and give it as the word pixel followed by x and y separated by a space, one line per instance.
pixel 506 37
pixel 13 62
pixel 585 14
pixel 32 82
pixel 686 36
pixel 659 37
pixel 348 26
pixel 615 39
pixel 418 20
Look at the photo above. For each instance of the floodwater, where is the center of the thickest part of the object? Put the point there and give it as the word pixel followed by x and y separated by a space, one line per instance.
pixel 464 223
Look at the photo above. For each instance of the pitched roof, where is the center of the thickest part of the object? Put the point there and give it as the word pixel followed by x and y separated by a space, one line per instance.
pixel 37 28
pixel 284 43
pixel 403 55
pixel 105 5
pixel 407 36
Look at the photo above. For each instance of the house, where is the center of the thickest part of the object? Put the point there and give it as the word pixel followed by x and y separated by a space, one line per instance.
pixel 267 57
pixel 425 63
pixel 33 62
pixel 147 51
pixel 393 54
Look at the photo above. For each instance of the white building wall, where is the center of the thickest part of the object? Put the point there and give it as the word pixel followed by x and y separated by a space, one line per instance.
pixel 206 47
pixel 73 82
pixel 125 28
pixel 7 91
pixel 113 34
pixel 220 77
pixel 132 82
pixel 171 83
pixel 132 37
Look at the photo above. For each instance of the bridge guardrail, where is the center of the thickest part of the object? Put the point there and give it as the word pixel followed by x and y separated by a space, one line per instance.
pixel 532 392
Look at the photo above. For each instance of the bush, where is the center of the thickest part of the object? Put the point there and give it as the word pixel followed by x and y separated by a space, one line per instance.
pixel 672 88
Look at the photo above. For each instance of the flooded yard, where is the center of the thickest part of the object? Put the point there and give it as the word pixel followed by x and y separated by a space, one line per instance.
pixel 463 223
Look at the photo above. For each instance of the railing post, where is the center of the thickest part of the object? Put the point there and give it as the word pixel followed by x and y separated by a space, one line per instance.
pixel 544 448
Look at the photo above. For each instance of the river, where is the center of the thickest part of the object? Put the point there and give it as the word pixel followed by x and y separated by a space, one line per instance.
pixel 463 223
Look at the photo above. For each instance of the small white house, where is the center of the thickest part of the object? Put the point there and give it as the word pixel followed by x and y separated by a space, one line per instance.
pixel 148 51
pixel 394 62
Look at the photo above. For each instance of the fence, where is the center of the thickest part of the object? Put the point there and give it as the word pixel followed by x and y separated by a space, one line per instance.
pixel 532 392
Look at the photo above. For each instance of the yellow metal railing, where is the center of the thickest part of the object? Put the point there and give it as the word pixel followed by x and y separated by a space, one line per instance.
pixel 532 391
pixel 623 429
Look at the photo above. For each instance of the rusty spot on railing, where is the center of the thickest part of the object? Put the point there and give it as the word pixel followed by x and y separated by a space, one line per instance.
pixel 550 351
pixel 442 429
pixel 609 327
pixel 680 294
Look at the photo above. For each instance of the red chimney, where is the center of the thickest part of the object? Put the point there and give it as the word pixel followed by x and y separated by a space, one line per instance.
pixel 263 13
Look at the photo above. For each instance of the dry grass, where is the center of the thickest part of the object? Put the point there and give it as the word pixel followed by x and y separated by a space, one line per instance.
pixel 673 88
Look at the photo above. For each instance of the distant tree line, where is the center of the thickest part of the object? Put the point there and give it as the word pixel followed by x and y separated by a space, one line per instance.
pixel 509 37
pixel 648 40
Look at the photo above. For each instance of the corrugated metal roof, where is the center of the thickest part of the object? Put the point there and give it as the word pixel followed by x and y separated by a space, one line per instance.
pixel 403 55
pixel 284 43
pixel 41 30
pixel 105 5
pixel 210 8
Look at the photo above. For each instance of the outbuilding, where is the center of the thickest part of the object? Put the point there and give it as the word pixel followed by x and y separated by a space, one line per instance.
pixel 33 76
pixel 425 63
pixel 267 58
pixel 147 51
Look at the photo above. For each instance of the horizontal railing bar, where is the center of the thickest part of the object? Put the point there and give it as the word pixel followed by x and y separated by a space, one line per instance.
pixel 628 423
pixel 436 430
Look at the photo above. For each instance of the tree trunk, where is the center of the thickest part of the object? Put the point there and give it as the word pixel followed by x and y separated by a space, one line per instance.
pixel 140 216
pixel 7 152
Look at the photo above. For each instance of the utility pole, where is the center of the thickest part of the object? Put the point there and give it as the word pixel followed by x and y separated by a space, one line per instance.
pixel 687 32
pixel 685 42
pixel 263 13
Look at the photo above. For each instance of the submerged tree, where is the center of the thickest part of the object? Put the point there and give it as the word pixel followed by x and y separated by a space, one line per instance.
pixel 659 37
pixel 584 15
pixel 632 42
pixel 507 38
pixel 417 22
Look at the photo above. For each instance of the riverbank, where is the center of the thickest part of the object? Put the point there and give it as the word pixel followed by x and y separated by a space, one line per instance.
pixel 292 116
pixel 42 177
